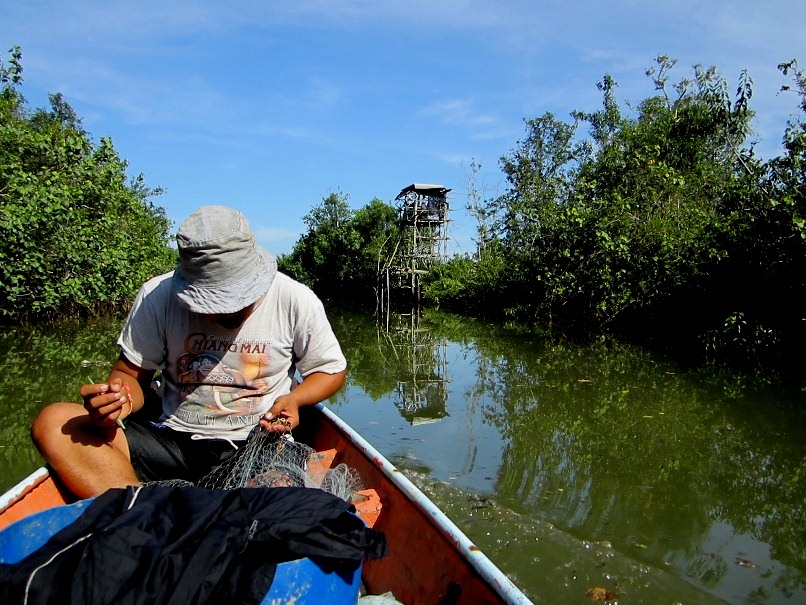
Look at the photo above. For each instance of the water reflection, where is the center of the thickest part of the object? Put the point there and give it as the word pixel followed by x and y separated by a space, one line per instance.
pixel 613 445
pixel 571 467
pixel 421 393
pixel 38 366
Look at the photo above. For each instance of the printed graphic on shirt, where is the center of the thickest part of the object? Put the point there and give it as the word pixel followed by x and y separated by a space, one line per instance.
pixel 199 342
pixel 213 392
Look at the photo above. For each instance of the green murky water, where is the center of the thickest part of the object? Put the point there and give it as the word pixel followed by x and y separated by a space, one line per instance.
pixel 573 468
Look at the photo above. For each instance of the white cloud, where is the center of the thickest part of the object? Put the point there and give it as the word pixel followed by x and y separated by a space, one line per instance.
pixel 463 114
pixel 274 234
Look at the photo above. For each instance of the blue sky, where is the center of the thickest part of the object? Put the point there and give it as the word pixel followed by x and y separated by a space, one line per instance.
pixel 270 106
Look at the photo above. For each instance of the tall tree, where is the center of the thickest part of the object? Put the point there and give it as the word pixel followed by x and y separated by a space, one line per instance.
pixel 341 250
pixel 76 236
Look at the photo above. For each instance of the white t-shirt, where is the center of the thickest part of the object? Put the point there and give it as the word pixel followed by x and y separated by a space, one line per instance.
pixel 218 382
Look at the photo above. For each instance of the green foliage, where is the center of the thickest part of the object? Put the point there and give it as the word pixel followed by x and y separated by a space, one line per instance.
pixel 636 228
pixel 342 248
pixel 75 237
pixel 474 286
pixel 658 222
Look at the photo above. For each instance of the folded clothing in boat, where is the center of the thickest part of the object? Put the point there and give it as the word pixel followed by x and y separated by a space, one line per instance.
pixel 158 544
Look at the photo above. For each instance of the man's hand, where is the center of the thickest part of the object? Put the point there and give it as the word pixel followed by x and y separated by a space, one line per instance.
pixel 282 417
pixel 106 402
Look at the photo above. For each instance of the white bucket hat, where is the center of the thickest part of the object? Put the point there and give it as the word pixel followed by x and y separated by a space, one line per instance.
pixel 221 267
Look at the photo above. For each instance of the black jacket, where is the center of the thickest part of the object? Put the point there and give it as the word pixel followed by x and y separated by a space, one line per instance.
pixel 158 544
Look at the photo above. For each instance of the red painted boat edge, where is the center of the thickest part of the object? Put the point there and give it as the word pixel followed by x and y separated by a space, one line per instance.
pixel 505 588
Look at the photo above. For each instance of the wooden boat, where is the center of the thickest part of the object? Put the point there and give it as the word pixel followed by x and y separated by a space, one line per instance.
pixel 430 560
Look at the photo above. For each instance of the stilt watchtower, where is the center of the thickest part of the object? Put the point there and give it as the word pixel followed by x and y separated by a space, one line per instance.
pixel 423 211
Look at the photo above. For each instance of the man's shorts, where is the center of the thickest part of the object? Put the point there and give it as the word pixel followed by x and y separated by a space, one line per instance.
pixel 160 453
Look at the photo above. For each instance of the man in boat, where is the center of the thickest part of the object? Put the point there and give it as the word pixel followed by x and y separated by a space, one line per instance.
pixel 228 334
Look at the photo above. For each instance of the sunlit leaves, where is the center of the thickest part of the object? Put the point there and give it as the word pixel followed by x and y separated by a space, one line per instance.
pixel 76 235
pixel 659 222
pixel 343 249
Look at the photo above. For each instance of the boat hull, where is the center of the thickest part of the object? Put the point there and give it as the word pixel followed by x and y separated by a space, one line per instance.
pixel 430 560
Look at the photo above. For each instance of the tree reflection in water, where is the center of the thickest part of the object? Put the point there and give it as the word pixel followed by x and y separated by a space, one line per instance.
pixel 690 471
pixel 572 467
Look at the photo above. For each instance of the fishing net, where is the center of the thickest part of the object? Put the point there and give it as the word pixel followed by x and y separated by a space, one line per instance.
pixel 277 460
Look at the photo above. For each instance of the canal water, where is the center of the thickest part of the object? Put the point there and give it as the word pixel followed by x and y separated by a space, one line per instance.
pixel 585 473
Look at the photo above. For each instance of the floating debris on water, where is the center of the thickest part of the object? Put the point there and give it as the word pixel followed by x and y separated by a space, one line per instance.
pixel 86 363
pixel 601 594
pixel 746 563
